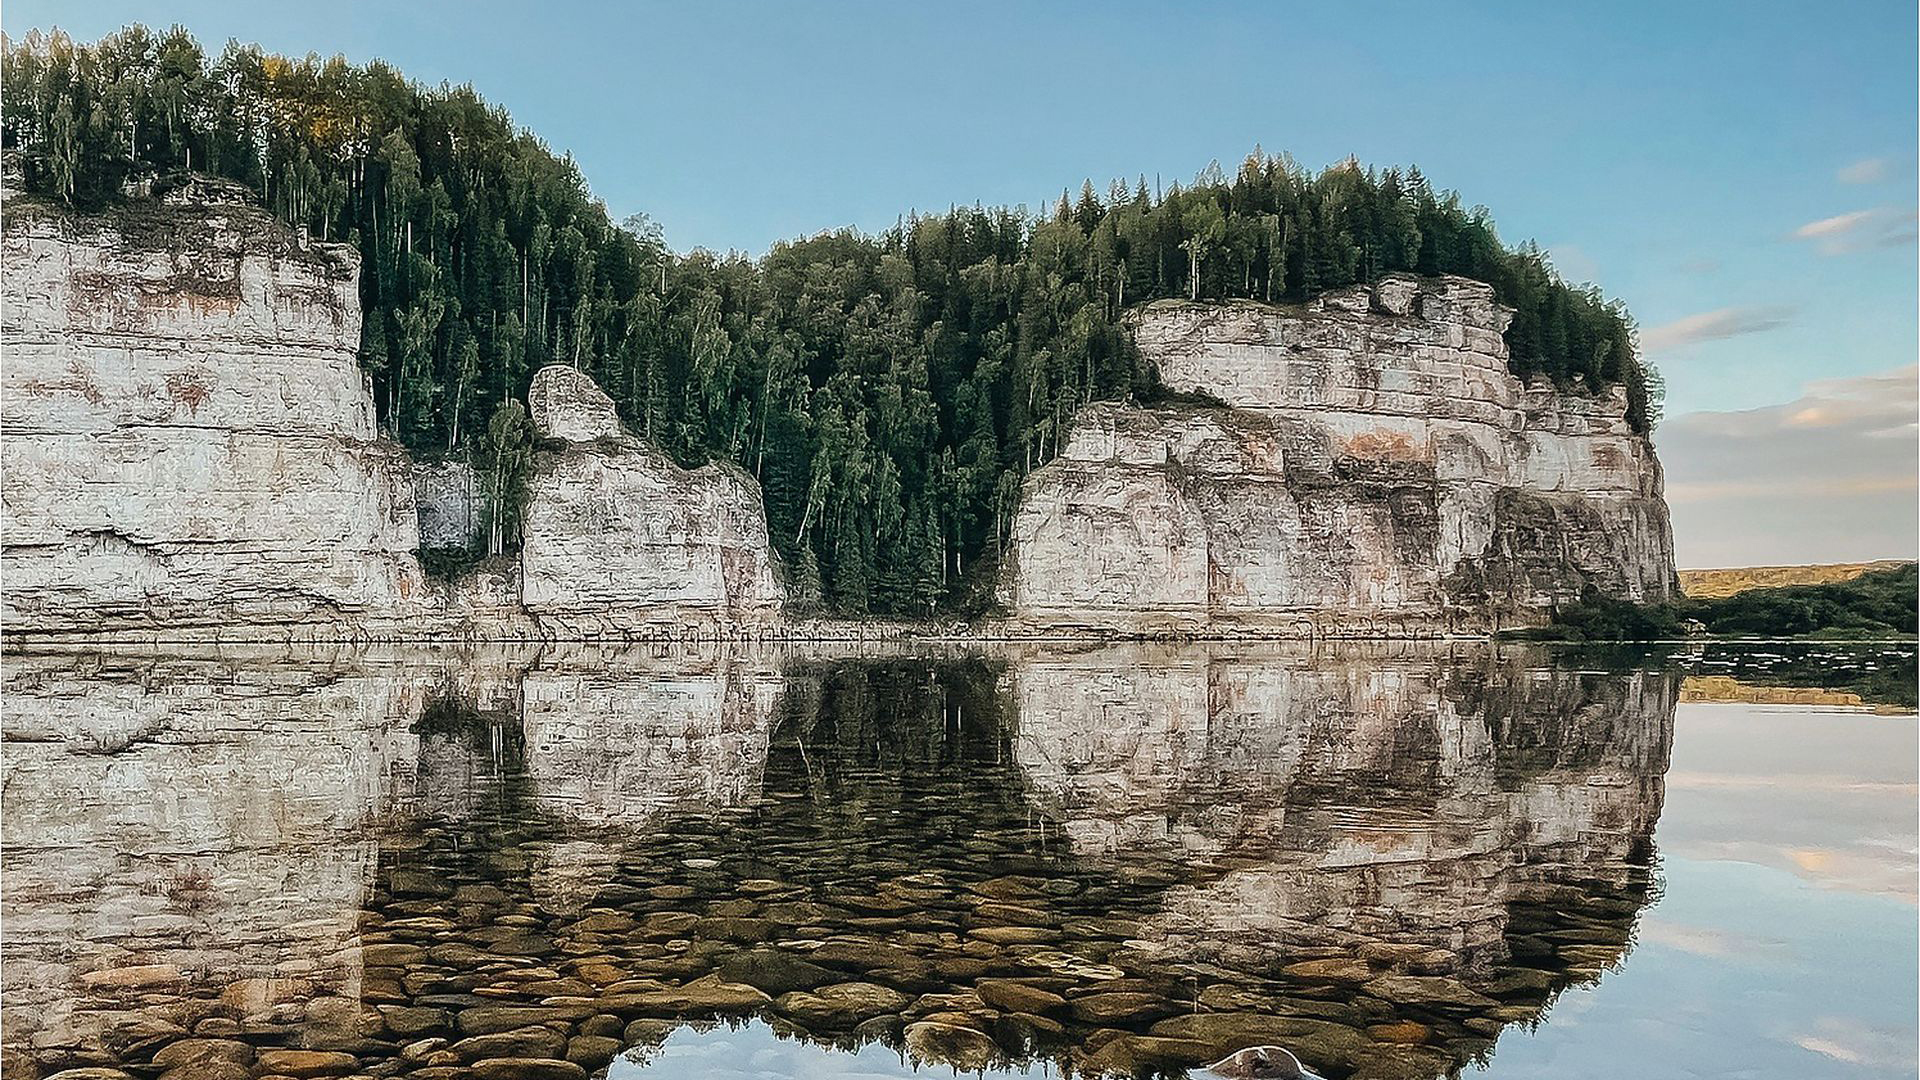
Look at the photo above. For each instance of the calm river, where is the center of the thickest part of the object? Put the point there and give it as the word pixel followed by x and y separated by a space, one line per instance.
pixel 1397 861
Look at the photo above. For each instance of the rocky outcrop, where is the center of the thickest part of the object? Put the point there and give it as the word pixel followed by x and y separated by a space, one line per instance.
pixel 174 818
pixel 621 746
pixel 618 537
pixel 191 450
pixel 188 439
pixel 210 822
pixel 1374 468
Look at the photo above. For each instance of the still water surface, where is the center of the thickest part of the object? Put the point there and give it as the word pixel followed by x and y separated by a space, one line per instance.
pixel 1398 862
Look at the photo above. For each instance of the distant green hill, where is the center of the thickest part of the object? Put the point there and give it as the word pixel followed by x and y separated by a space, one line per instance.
pixel 1876 604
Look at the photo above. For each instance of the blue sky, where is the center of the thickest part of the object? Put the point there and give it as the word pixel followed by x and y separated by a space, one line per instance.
pixel 1742 174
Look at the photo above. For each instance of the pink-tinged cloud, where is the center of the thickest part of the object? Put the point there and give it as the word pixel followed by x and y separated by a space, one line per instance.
pixel 1831 477
pixel 1838 225
pixel 1860 230
pixel 1848 1040
pixel 1865 171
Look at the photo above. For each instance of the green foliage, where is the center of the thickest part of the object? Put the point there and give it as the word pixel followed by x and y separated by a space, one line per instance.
pixel 448 564
pixel 1599 618
pixel 1876 605
pixel 889 392
pixel 504 460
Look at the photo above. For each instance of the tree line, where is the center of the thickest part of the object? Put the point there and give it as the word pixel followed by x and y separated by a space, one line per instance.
pixel 1877 605
pixel 889 392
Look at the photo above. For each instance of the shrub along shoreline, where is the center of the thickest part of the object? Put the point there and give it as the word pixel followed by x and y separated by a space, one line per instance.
pixel 1879 605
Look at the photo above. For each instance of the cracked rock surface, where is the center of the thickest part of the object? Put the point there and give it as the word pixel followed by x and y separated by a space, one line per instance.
pixel 188 438
pixel 1372 467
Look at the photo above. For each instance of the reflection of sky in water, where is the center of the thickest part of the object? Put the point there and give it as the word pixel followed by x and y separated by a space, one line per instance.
pixel 1785 942
pixel 753 1052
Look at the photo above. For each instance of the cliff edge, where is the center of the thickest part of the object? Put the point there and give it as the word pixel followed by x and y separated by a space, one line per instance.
pixel 191 449
pixel 1373 467
pixel 188 439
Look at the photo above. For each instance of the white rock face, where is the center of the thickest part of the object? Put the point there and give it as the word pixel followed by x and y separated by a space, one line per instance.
pixel 623 746
pixel 189 441
pixel 567 404
pixel 190 448
pixel 208 818
pixel 183 821
pixel 618 537
pixel 1377 470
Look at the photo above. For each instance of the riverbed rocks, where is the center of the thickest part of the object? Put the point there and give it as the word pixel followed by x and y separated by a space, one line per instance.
pixel 839 901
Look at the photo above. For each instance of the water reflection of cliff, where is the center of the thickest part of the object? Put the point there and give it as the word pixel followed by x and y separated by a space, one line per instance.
pixel 1381 817
pixel 1127 858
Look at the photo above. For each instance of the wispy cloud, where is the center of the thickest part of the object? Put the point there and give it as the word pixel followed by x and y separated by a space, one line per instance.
pixel 1848 1040
pixel 1829 477
pixel 1859 230
pixel 1865 171
pixel 1837 225
pixel 1705 941
pixel 1711 326
pixel 1829 1048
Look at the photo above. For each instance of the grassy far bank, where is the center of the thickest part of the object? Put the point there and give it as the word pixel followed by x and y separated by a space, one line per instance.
pixel 1718 583
pixel 1878 604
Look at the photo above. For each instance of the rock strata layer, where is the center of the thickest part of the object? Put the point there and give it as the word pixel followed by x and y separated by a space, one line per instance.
pixel 617 535
pixel 1373 467
pixel 189 441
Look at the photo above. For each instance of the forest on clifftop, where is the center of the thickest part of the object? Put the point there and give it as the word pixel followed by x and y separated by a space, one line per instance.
pixel 890 392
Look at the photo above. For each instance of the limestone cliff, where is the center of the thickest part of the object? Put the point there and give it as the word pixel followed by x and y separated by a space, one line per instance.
pixel 1374 468
pixel 191 450
pixel 1410 797
pixel 188 439
pixel 618 536
pixel 213 818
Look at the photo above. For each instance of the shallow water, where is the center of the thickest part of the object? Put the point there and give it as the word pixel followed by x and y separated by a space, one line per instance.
pixel 1397 861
